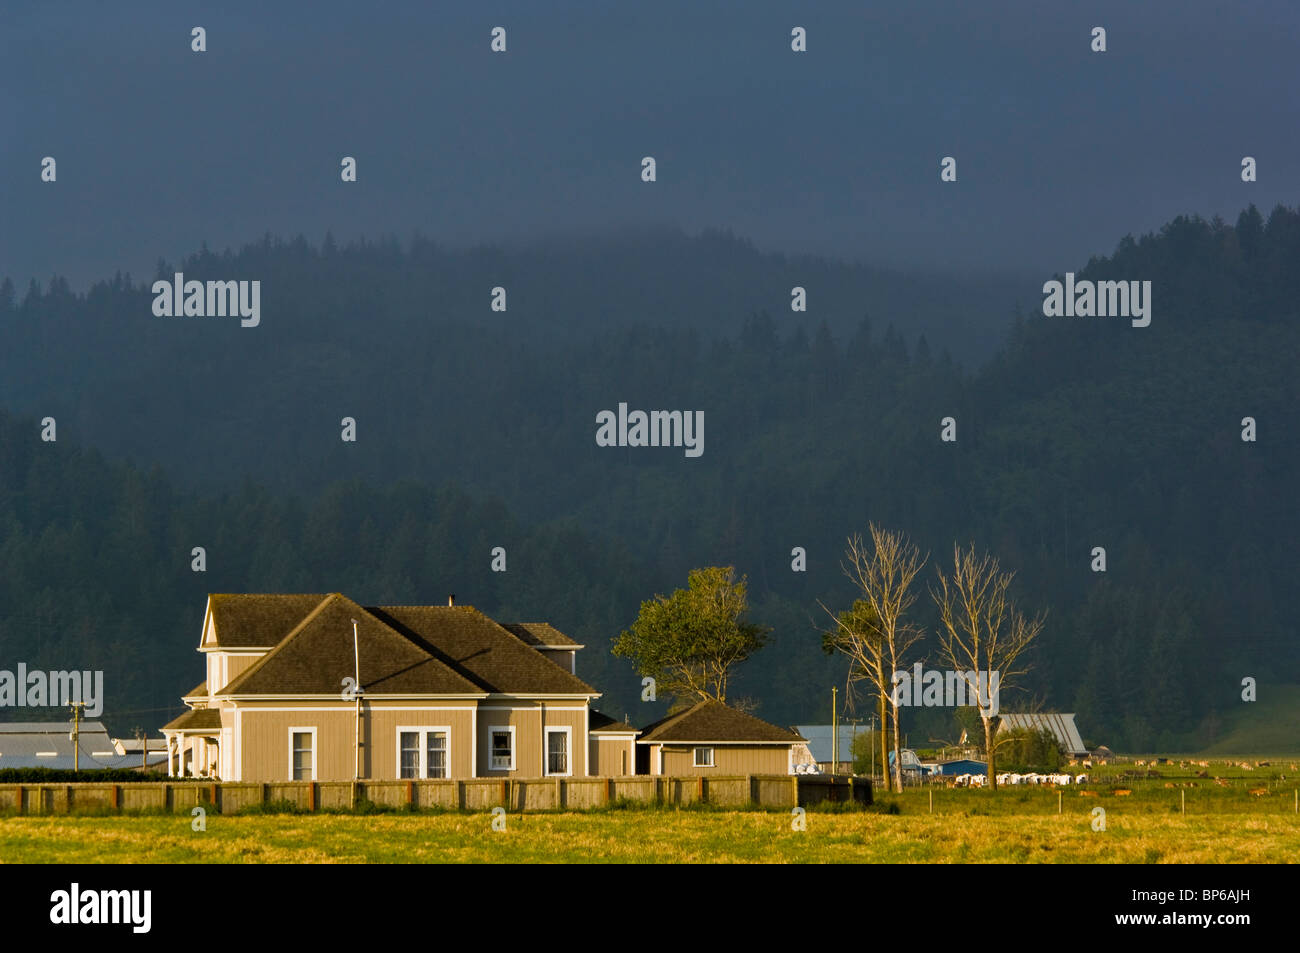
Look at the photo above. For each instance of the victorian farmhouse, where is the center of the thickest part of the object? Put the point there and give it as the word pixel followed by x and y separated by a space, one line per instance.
pixel 320 688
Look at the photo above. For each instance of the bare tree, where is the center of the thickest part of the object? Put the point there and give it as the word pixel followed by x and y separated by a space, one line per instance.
pixel 983 634
pixel 855 633
pixel 883 573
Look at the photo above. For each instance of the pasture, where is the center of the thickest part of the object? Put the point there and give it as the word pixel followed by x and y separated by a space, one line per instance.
pixel 1223 823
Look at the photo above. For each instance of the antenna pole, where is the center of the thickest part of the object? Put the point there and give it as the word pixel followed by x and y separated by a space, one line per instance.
pixel 356 657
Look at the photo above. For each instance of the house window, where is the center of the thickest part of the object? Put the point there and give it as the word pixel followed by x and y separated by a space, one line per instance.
pixel 302 754
pixel 435 749
pixel 503 749
pixel 557 750
pixel 409 754
pixel 423 752
pixel 704 757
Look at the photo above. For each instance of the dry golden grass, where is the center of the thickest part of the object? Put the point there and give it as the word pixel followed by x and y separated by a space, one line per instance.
pixel 657 837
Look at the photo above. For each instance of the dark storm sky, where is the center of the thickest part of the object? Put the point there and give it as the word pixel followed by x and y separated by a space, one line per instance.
pixel 836 151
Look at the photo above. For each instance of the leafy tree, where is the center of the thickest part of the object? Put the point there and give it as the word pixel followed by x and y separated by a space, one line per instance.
pixel 1027 750
pixel 690 641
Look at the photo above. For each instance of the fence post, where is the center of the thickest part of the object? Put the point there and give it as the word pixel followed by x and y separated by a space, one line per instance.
pixel 266 794
pixel 19 805
pixel 699 794
pixel 410 792
pixel 794 789
pixel 117 799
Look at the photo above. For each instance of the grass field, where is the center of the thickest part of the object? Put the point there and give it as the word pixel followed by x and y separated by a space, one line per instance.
pixel 1222 824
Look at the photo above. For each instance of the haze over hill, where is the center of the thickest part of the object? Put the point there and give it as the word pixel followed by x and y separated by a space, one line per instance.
pixel 1079 432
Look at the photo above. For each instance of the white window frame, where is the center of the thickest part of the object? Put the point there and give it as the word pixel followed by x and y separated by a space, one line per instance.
pixel 308 730
pixel 695 757
pixel 422 767
pixel 492 764
pixel 567 731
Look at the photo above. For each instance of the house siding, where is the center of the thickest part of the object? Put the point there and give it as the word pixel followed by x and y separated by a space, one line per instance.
pixel 613 757
pixel 679 759
pixel 527 721
pixel 237 665
pixel 264 752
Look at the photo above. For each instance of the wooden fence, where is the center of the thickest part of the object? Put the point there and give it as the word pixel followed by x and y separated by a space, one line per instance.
pixel 478 794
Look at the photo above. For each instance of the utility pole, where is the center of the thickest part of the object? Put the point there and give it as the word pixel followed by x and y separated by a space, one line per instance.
pixel 76 735
pixel 144 755
pixel 356 658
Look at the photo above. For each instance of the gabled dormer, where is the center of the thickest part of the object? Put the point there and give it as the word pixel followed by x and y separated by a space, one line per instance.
pixel 549 641
pixel 238 629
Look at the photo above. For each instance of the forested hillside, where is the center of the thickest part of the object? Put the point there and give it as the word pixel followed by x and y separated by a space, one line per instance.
pixel 1079 432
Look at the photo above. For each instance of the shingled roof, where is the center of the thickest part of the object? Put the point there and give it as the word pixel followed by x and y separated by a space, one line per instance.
pixel 200 719
pixel 258 620
pixel 493 657
pixel 539 633
pixel 404 650
pixel 599 722
pixel 315 657
pixel 712 721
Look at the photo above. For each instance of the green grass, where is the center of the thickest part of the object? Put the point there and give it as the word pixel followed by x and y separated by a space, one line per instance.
pixel 1269 724
pixel 967 826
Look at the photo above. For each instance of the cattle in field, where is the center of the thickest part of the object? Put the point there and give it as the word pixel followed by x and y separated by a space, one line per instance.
pixel 1080 779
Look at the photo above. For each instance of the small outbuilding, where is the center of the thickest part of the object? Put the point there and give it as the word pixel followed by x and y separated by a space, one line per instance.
pixel 713 738
pixel 963 766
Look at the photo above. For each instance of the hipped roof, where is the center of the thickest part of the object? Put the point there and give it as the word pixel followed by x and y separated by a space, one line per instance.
pixel 711 720
pixel 403 650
